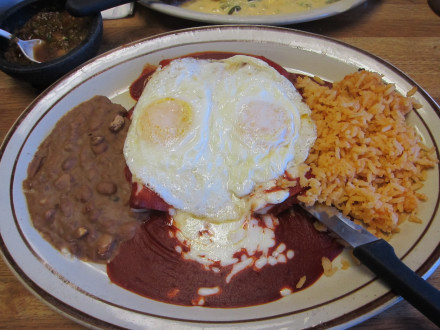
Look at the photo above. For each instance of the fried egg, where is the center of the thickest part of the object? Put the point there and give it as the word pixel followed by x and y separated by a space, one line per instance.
pixel 206 135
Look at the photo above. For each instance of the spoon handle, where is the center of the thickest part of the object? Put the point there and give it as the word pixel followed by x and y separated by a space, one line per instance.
pixel 6 34
pixel 90 7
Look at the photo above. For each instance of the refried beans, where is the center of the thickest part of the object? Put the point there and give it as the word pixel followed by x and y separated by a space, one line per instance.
pixel 76 190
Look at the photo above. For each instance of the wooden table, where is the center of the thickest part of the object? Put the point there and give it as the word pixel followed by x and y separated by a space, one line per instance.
pixel 405 33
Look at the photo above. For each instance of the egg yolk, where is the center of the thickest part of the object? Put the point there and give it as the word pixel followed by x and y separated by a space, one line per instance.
pixel 263 125
pixel 165 121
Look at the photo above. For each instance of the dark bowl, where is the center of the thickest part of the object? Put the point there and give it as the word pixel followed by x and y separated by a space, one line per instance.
pixel 43 74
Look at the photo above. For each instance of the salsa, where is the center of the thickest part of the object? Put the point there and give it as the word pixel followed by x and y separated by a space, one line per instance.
pixel 60 32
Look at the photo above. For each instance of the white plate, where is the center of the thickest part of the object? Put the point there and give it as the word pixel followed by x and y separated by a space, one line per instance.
pixel 281 19
pixel 82 290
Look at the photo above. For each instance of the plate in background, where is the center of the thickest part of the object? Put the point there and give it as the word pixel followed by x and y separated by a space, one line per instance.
pixel 281 19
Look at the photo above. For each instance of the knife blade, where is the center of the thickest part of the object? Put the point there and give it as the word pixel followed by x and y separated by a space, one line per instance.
pixel 379 256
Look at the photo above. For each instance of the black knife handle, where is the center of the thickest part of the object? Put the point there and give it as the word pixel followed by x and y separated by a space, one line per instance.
pixel 380 258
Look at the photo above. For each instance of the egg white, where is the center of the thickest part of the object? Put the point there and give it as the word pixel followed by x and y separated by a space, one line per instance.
pixel 247 125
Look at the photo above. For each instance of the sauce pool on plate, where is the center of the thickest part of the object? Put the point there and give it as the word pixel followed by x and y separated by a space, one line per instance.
pixel 149 265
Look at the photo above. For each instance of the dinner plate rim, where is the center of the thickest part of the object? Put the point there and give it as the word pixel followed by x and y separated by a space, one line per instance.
pixel 389 299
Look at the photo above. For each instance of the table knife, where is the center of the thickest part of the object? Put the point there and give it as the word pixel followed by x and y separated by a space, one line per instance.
pixel 379 256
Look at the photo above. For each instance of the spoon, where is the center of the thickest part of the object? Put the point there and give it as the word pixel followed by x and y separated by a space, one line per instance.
pixel 26 46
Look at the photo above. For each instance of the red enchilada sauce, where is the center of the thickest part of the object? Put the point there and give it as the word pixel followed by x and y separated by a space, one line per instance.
pixel 138 85
pixel 149 264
